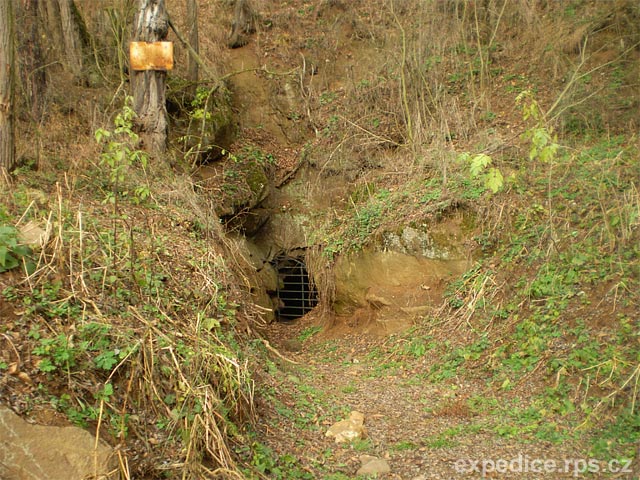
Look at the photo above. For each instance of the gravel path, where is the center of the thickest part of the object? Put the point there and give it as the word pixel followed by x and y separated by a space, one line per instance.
pixel 424 429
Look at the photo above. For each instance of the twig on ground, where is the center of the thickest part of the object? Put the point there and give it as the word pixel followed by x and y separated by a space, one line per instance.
pixel 277 353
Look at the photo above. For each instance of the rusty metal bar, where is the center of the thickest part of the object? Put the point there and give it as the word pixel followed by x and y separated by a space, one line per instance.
pixel 294 290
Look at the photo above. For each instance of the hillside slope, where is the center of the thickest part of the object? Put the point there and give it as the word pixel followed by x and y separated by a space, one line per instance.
pixel 460 182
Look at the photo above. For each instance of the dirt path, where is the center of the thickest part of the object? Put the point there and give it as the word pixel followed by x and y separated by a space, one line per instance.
pixel 442 429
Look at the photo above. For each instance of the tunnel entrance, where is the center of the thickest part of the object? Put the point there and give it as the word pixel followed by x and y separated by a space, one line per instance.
pixel 296 293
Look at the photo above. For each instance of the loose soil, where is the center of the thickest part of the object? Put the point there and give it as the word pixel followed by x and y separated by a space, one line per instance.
pixel 336 364
pixel 424 429
pixel 366 360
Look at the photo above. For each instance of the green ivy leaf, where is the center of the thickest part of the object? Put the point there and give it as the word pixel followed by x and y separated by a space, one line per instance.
pixel 106 360
pixel 4 254
pixel 548 153
pixel 101 134
pixel 46 366
pixel 479 163
pixel 494 180
pixel 105 393
pixel 540 137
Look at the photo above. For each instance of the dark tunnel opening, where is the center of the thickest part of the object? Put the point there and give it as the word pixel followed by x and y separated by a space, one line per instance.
pixel 296 293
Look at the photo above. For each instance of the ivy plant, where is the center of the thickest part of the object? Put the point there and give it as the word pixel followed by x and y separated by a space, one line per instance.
pixel 479 167
pixel 11 252
pixel 120 152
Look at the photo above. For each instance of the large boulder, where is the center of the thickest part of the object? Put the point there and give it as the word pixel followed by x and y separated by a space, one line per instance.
pixel 238 183
pixel 244 185
pixel 390 280
pixel 443 244
pixel 205 124
pixel 260 274
pixel 35 452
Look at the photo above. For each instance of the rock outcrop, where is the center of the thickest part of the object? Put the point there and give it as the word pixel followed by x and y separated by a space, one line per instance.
pixel 37 452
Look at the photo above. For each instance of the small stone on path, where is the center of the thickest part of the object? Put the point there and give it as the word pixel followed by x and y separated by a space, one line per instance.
pixel 373 466
pixel 349 429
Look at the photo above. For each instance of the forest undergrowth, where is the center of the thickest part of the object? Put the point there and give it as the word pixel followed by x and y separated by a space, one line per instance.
pixel 126 306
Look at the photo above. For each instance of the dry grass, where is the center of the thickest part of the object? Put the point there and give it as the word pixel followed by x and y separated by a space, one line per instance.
pixel 131 282
pixel 393 87
pixel 433 52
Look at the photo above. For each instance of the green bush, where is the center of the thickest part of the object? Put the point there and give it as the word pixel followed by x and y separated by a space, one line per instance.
pixel 11 252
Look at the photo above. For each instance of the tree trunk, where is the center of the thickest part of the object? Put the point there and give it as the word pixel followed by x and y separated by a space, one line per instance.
pixel 244 24
pixel 192 33
pixel 7 75
pixel 65 33
pixel 149 100
pixel 49 11
pixel 32 72
pixel 73 32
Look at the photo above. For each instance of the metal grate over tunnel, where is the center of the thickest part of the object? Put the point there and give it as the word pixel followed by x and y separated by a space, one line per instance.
pixel 296 293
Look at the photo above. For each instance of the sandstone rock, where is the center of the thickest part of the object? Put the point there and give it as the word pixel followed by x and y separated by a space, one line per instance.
pixel 32 235
pixel 349 429
pixel 377 301
pixel 439 245
pixel 373 466
pixel 239 185
pixel 36 452
pixel 417 310
pixel 292 345
pixel 374 280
